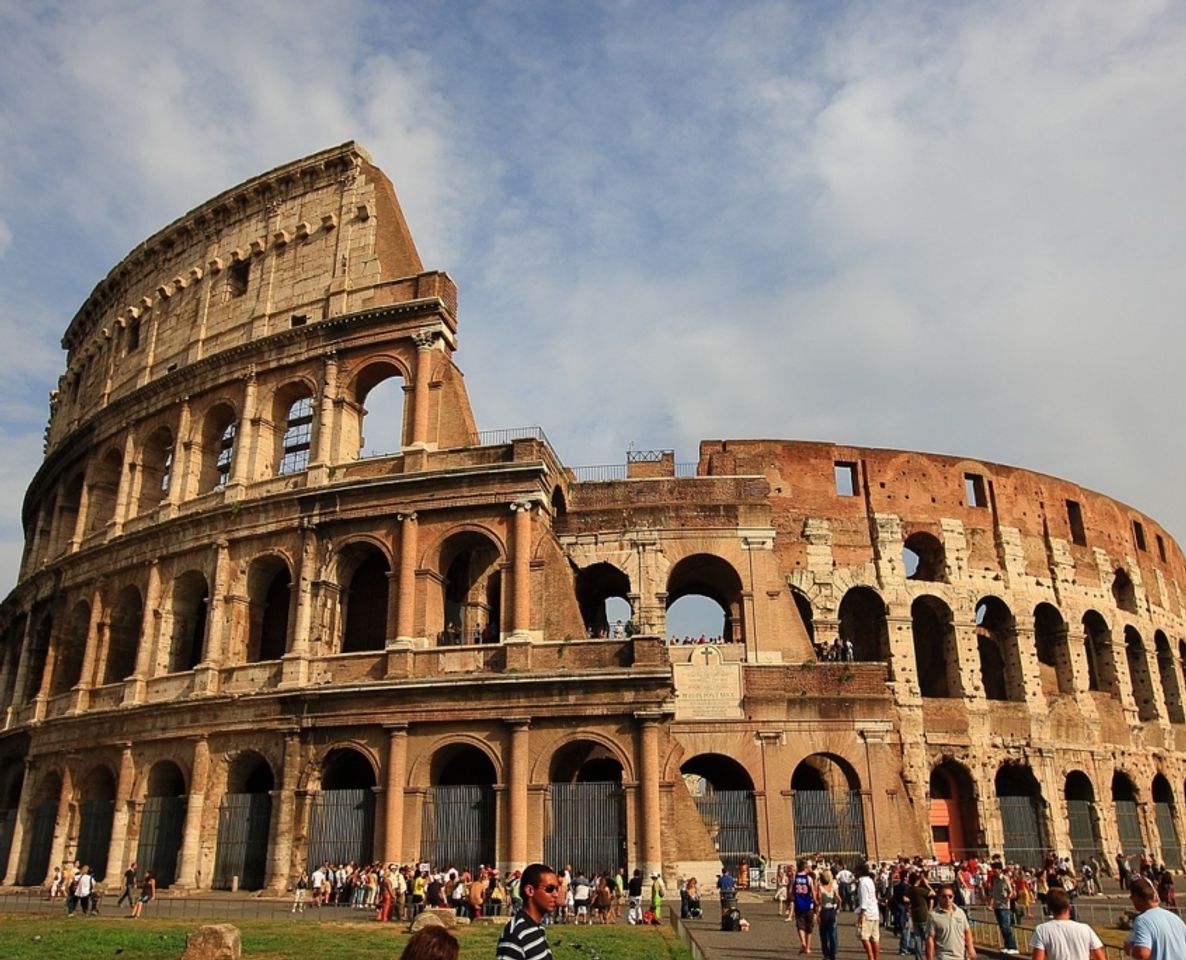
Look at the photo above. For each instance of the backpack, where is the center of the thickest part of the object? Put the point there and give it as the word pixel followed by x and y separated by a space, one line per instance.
pixel 731 920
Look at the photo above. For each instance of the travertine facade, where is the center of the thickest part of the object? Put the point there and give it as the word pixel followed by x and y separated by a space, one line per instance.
pixel 224 656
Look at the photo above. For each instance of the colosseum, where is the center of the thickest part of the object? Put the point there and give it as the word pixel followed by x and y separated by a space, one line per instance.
pixel 243 641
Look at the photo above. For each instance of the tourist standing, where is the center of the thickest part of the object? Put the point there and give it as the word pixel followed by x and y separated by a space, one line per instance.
pixel 947 933
pixel 524 938
pixel 1002 908
pixel 829 908
pixel 868 914
pixel 802 900
pixel 1062 938
pixel 1157 934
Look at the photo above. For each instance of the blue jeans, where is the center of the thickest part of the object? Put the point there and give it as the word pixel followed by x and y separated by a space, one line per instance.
pixel 827 934
pixel 1005 922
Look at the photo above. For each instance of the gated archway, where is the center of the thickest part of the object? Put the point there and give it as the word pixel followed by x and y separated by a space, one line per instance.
pixel 460 815
pixel 1128 821
pixel 828 814
pixel 1019 798
pixel 244 817
pixel 40 830
pixel 955 823
pixel 1163 810
pixel 161 823
pixel 724 796
pixel 342 823
pixel 1082 818
pixel 96 808
pixel 12 776
pixel 586 810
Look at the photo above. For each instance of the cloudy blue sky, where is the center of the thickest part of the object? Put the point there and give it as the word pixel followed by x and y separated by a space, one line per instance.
pixel 940 226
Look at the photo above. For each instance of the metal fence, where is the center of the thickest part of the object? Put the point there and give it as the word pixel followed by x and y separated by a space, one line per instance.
pixel 1128 826
pixel 1171 845
pixel 41 839
pixel 342 826
pixel 490 438
pixel 458 826
pixel 830 822
pixel 587 826
pixel 1084 831
pixel 94 834
pixel 1021 823
pixel 731 820
pixel 160 837
pixel 242 851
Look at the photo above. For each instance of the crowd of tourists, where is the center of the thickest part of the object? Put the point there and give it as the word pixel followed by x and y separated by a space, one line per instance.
pixel 838 651
pixel 74 884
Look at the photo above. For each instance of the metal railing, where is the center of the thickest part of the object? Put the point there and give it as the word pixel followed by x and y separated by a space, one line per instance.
pixel 600 473
pixel 490 438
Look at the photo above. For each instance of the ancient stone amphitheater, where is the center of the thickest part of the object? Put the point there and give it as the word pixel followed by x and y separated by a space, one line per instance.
pixel 240 643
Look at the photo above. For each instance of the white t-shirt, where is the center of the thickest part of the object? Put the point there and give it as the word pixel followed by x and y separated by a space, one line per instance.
pixel 86 884
pixel 867 899
pixel 1065 940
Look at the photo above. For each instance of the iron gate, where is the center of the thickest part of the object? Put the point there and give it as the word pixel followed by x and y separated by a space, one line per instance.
pixel 94 835
pixel 161 822
pixel 1128 826
pixel 1085 840
pixel 1171 846
pixel 7 821
pixel 41 839
pixel 731 821
pixel 342 826
pixel 458 826
pixel 587 826
pixel 243 823
pixel 1021 823
pixel 829 822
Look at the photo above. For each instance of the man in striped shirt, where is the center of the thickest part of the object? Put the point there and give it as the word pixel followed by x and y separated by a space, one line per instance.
pixel 523 937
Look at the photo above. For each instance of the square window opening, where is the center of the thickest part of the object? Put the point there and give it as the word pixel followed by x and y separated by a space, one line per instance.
pixel 1160 547
pixel 238 276
pixel 846 478
pixel 1138 536
pixel 1075 519
pixel 974 490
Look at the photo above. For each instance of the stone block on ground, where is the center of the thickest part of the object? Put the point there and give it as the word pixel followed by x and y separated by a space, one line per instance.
pixel 435 917
pixel 215 941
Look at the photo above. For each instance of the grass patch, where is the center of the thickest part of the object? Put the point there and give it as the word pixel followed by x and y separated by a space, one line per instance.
pixel 55 938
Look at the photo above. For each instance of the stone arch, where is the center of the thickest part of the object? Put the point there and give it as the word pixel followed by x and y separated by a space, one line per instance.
pixel 806 611
pixel 469 562
pixel 342 821
pixel 249 771
pixel 1082 817
pixel 96 808
pixel 1022 811
pixel 269 599
pixel 559 502
pixel 39 652
pixel 924 557
pixel 1053 650
pixel 713 577
pixel 69 503
pixel 292 419
pixel 563 754
pixel 162 821
pixel 191 608
pixel 723 792
pixel 71 650
pixel 1167 671
pixel 42 814
pixel 423 772
pixel 1165 815
pixel 595 584
pixel 1138 672
pixel 1101 662
pixel 382 426
pixel 217 446
pixel 827 808
pixel 124 634
pixel 155 463
pixel 1125 800
pixel 935 656
pixel 102 489
pixel 586 805
pixel 1123 591
pixel 244 821
pixel 863 625
pixel 1000 661
pixel 364 571
pixel 459 824
pixel 339 757
pixel 954 817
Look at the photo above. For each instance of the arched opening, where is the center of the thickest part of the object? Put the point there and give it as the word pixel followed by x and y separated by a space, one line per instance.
pixel 342 823
pixel 218 448
pixel 1167 669
pixel 127 621
pixel 1101 664
pixel 1054 652
pixel 586 824
pixel 864 634
pixel 292 411
pixel 96 809
pixel 244 817
pixel 39 829
pixel 1128 821
pixel 724 795
pixel 1000 661
pixel 1167 826
pixel 38 654
pixel 191 609
pixel 269 584
pixel 596 585
pixel 559 504
pixel 12 778
pixel 806 613
pixel 102 490
pixel 67 523
pixel 935 656
pixel 71 651
pixel 714 579
pixel 1082 818
pixel 13 638
pixel 472 588
pixel 1123 592
pixel 162 822
pixel 156 470
pixel 1138 672
pixel 379 399
pixel 1023 820
pixel 460 816
pixel 365 596
pixel 826 805
pixel 924 558
pixel 954 819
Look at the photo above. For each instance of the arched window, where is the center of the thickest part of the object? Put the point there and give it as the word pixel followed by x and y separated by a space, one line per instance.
pixel 1138 671
pixel 269 595
pixel 1123 592
pixel 102 490
pixel 1054 654
pixel 156 469
pixel 924 557
pixel 127 620
pixel 1168 672
pixel 1000 661
pixel 935 655
pixel 72 651
pixel 1082 818
pixel 863 625
pixel 298 434
pixel 365 595
pixel 472 589
pixel 218 448
pixel 1101 665
pixel 704 579
pixel 1023 814
pixel 378 395
pixel 191 602
pixel 597 585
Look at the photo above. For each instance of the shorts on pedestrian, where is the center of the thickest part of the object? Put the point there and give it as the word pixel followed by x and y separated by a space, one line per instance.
pixel 869 929
pixel 805 920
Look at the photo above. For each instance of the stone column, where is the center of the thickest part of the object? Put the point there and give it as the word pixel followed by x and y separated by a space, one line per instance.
pixel 517 792
pixel 57 849
pixel 648 777
pixel 179 484
pixel 92 658
pixel 280 840
pixel 47 671
pixel 406 610
pixel 136 689
pixel 296 661
pixel 521 568
pixel 15 850
pixel 22 667
pixel 424 344
pixel 393 807
pixel 128 491
pixel 243 469
pixel 119 819
pixel 325 412
pixel 206 672
pixel 187 865
pixel 80 518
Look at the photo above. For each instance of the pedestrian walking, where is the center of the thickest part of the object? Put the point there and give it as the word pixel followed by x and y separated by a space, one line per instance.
pixel 1062 938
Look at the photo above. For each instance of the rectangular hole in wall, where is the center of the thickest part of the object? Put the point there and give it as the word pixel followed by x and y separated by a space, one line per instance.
pixel 300 319
pixel 1160 548
pixel 238 276
pixel 1138 536
pixel 1075 519
pixel 846 478
pixel 974 492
